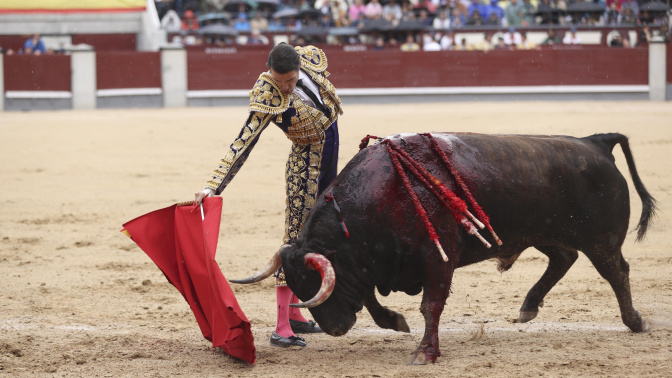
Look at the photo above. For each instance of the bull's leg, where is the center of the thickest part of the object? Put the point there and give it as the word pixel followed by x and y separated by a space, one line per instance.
pixel 612 267
pixel 559 262
pixel 384 317
pixel 434 297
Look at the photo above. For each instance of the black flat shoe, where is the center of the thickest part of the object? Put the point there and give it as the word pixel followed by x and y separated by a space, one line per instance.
pixel 284 342
pixel 304 327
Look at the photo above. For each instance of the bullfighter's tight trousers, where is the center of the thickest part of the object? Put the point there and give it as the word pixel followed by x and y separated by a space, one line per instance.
pixel 284 298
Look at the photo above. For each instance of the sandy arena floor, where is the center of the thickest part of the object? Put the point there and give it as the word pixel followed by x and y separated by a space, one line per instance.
pixel 78 298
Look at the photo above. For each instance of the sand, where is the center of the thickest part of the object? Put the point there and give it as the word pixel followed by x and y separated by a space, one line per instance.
pixel 81 299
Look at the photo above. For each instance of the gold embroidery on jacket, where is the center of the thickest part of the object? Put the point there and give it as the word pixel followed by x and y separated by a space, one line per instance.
pixel 240 149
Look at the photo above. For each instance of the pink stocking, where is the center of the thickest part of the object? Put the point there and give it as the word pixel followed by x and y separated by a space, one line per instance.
pixel 284 296
pixel 295 313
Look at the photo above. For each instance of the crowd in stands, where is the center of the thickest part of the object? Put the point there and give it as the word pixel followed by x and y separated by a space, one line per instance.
pixel 437 19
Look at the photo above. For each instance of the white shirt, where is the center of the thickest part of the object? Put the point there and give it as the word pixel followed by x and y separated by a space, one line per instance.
pixel 308 82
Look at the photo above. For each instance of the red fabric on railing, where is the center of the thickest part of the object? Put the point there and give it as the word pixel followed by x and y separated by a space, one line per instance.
pixel 183 246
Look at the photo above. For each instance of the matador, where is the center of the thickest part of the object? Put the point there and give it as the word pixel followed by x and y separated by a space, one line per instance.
pixel 296 95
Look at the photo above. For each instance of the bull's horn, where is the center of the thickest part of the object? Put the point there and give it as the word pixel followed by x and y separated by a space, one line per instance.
pixel 271 267
pixel 322 265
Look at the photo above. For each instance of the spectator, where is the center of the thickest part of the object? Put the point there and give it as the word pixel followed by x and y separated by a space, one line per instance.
pixel 357 11
pixel 529 13
pixel 494 8
pixel 632 4
pixel 501 45
pixel 275 25
pixel 571 38
pixel 476 6
pixel 551 38
pixel 242 11
pixel 448 41
pixel 255 38
pixel 373 10
pixel 457 18
pixel 410 44
pixel 379 44
pixel 628 17
pixel 34 45
pixel 665 32
pixel 475 18
pixel 512 37
pixel 258 22
pixel 431 42
pixel 525 43
pixel 293 24
pixel 493 20
pixel 442 22
pixel 561 6
pixel 326 21
pixel 189 22
pixel 392 12
pixel 424 18
pixel 336 9
pixel 339 13
pixel 486 44
pixel 514 13
pixel 407 12
pixel 548 13
pixel 644 35
pixel 242 25
pixel 612 16
pixel 463 46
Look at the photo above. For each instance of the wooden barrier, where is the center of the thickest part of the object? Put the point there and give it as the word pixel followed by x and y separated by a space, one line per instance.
pixel 128 69
pixel 395 69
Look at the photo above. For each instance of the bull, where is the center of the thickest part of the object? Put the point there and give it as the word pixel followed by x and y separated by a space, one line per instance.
pixel 558 194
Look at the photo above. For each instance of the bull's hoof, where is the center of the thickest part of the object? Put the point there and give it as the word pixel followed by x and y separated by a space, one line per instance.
pixel 423 356
pixel 419 358
pixel 402 326
pixel 640 325
pixel 526 316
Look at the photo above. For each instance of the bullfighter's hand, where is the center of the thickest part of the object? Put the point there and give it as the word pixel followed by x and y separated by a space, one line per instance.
pixel 202 195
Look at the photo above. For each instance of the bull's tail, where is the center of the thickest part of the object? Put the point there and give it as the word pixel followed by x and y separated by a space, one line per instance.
pixel 648 202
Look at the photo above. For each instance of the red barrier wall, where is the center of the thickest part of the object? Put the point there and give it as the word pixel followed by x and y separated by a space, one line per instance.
pixel 37 72
pixel 392 68
pixel 225 71
pixel 362 69
pixel 107 42
pixel 128 69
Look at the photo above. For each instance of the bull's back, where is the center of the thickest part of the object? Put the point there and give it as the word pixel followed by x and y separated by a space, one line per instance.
pixel 536 189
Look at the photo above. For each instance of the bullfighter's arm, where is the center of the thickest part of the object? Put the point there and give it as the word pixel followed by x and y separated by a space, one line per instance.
pixel 238 152
pixel 267 103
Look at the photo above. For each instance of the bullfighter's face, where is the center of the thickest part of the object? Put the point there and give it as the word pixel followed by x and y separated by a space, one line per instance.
pixel 286 81
pixel 336 315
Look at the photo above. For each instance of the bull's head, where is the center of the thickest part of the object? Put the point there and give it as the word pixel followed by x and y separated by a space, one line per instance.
pixel 312 277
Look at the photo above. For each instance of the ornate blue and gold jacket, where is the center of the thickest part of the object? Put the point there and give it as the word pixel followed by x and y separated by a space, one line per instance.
pixel 304 125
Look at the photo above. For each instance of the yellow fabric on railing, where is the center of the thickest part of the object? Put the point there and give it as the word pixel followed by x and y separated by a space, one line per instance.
pixel 71 5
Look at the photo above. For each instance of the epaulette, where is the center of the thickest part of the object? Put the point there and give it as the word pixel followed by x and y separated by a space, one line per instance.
pixel 312 58
pixel 266 96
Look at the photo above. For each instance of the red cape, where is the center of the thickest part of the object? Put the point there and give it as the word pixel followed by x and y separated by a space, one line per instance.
pixel 183 246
